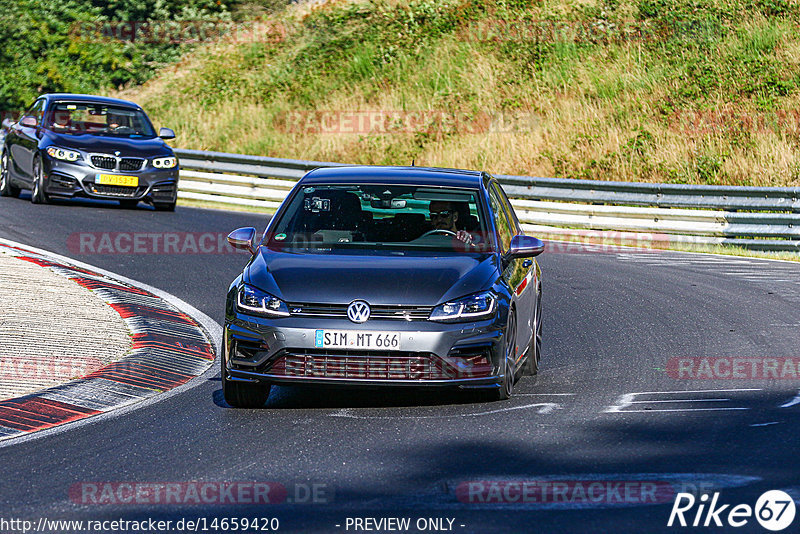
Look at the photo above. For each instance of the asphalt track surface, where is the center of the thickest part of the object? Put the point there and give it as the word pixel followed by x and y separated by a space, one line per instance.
pixel 612 323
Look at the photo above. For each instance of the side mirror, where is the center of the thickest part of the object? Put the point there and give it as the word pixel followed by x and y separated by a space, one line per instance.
pixel 29 121
pixel 243 239
pixel 525 246
pixel 166 133
pixel 7 123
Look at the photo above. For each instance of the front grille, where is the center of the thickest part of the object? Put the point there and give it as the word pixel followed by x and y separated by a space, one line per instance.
pixel 130 164
pixel 370 366
pixel 115 190
pixel 104 162
pixel 114 163
pixel 404 313
pixel 374 365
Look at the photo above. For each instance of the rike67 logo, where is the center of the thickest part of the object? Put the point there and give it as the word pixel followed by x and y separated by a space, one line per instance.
pixel 774 510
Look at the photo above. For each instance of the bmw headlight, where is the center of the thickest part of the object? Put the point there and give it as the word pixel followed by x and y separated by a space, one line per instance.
pixel 252 300
pixel 165 163
pixel 476 306
pixel 63 153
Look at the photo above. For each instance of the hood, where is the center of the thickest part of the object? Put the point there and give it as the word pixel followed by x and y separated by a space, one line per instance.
pixel 418 280
pixel 142 148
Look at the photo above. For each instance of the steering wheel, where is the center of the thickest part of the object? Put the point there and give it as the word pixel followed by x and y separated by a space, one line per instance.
pixel 438 231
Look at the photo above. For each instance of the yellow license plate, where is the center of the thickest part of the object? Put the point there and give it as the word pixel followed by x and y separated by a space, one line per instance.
pixel 117 179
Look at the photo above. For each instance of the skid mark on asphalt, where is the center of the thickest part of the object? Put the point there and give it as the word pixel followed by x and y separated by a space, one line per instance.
pixel 655 401
pixel 781 277
pixel 541 408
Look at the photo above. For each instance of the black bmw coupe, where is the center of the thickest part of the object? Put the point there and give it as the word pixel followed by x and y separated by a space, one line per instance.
pixel 67 146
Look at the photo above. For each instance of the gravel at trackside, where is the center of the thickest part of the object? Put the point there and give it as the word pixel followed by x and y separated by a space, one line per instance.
pixel 52 330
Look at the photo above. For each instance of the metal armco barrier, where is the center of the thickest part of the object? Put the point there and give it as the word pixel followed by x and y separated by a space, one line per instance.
pixel 760 218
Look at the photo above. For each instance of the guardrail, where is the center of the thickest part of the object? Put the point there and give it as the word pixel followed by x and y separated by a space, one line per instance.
pixel 760 218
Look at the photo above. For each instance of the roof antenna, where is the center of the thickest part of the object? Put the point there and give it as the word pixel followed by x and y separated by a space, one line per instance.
pixel 412 162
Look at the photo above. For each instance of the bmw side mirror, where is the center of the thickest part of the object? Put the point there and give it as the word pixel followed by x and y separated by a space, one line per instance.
pixel 242 239
pixel 166 133
pixel 525 246
pixel 29 121
pixel 7 123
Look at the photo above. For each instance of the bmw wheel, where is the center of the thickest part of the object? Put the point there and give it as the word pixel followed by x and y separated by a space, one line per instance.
pixel 164 206
pixel 6 188
pixel 38 196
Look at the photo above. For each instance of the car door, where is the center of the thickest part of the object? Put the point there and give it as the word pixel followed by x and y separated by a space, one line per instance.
pixel 515 271
pixel 520 273
pixel 23 142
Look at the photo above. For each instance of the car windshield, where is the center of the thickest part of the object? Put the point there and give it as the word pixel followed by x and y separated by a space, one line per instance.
pixel 325 217
pixel 98 119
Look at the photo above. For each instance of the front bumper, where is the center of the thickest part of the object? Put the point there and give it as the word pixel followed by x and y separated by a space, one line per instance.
pixel 432 354
pixel 71 180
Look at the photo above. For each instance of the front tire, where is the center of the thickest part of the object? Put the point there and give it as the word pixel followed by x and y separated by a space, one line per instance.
pixel 506 389
pixel 535 348
pixel 6 188
pixel 168 206
pixel 241 394
pixel 38 196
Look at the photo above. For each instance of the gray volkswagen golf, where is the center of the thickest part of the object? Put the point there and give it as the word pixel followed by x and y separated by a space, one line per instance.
pixel 385 276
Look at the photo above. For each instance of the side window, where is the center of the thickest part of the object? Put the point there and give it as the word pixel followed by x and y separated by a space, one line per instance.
pixel 36 110
pixel 504 228
pixel 512 217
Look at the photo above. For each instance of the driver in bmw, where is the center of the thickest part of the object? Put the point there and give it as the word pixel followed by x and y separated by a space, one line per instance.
pixel 444 217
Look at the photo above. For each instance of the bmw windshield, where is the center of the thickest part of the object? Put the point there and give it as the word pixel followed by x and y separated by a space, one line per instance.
pixel 82 118
pixel 415 218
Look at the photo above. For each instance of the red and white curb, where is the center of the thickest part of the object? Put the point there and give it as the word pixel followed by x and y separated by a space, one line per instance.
pixel 169 349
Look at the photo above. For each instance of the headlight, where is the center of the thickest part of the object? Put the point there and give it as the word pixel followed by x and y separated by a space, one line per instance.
pixel 165 163
pixel 477 306
pixel 63 154
pixel 252 300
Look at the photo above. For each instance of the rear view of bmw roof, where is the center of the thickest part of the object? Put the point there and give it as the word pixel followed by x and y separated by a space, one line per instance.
pixel 395 175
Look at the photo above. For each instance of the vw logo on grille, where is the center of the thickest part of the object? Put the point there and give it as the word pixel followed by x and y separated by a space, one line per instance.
pixel 358 311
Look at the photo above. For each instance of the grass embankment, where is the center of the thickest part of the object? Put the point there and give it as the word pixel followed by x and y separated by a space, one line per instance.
pixel 688 91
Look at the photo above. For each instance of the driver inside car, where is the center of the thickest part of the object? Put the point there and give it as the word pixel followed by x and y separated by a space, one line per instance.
pixel 444 217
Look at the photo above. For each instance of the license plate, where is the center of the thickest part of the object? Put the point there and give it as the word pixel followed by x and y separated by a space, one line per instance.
pixel 117 179
pixel 356 339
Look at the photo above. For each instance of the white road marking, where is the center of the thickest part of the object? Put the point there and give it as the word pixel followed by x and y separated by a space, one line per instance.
pixel 679 400
pixel 684 410
pixel 792 402
pixel 629 399
pixel 540 394
pixel 543 408
pixel 767 424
